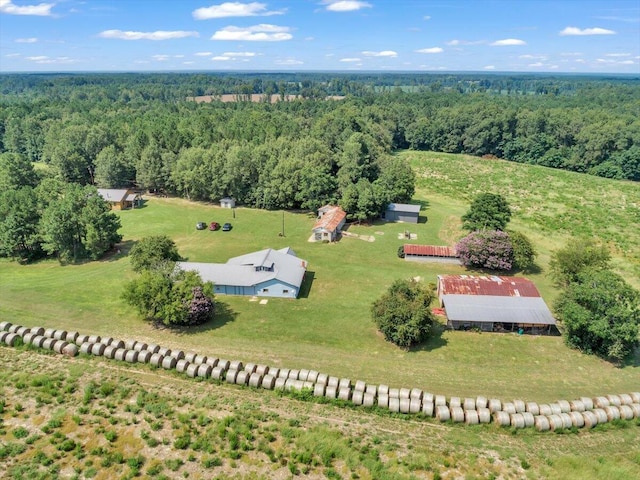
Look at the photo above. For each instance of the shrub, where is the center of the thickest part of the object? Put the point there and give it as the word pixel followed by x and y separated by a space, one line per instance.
pixel 488 211
pixel 151 252
pixel 486 249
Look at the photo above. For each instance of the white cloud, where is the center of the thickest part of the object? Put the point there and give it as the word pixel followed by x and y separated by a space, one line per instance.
pixel 158 35
pixel 234 9
pixel 586 31
pixel 257 33
pixel 203 54
pixel 220 58
pixel 430 50
pixel 346 5
pixel 26 40
pixel 617 55
pixel 508 42
pixel 533 57
pixel 48 60
pixel 190 62
pixel 42 9
pixel 350 60
pixel 12 55
pixel 239 54
pixel 580 60
pixel 384 53
pixel 537 64
pixel 626 62
pixel 160 58
pixel 289 61
pixel 571 54
pixel 456 42
pixel 490 67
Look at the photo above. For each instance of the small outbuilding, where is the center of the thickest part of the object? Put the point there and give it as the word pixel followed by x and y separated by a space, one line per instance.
pixel 329 224
pixel 430 253
pixel 119 199
pixel 227 202
pixel 402 212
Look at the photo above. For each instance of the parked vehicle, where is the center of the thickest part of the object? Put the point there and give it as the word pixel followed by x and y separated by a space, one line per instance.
pixel 201 225
pixel 213 226
pixel 226 227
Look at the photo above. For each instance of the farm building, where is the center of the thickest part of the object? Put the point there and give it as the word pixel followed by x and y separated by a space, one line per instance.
pixel 227 202
pixel 266 273
pixel 430 253
pixel 119 198
pixel 401 212
pixel 493 303
pixel 329 224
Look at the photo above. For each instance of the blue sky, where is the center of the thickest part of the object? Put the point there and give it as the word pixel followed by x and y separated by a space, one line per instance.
pixel 574 36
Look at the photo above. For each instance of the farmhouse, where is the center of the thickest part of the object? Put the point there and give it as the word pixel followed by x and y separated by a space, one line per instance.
pixel 227 202
pixel 430 253
pixel 119 198
pixel 401 212
pixel 329 224
pixel 266 273
pixel 493 303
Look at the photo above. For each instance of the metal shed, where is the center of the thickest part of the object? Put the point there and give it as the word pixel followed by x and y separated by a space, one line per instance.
pixel 227 202
pixel 402 212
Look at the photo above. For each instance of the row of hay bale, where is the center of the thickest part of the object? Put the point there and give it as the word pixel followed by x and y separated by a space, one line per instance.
pixel 583 412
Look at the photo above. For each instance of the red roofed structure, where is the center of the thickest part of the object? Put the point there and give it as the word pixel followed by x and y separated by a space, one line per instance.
pixel 430 253
pixel 330 221
pixel 486 285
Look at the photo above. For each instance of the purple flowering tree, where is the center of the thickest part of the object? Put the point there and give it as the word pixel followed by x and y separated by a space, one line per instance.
pixel 486 249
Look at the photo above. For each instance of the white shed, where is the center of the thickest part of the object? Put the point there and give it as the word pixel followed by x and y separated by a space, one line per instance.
pixel 227 202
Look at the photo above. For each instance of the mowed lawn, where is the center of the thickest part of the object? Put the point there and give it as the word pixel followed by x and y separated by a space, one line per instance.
pixel 329 329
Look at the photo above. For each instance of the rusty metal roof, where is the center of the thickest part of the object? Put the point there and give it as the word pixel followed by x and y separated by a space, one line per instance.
pixel 430 251
pixel 331 218
pixel 486 285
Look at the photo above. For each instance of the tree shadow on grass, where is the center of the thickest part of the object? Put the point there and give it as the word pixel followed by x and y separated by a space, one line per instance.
pixel 118 251
pixel 434 342
pixel 223 314
pixel 307 281
pixel 632 360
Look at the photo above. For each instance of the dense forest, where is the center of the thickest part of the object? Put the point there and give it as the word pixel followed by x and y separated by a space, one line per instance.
pixel 120 130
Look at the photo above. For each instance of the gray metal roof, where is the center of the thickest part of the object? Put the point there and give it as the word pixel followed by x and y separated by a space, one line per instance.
pixel 241 271
pixel 490 308
pixel 403 207
pixel 113 194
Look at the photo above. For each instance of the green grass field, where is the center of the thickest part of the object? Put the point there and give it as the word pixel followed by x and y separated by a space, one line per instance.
pixel 330 329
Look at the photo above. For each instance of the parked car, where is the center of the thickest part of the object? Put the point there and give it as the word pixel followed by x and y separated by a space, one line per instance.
pixel 226 227
pixel 213 226
pixel 201 225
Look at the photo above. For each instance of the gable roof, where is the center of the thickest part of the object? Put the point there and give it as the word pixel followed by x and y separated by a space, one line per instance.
pixel 430 250
pixel 113 194
pixel 331 218
pixel 492 285
pixel 491 308
pixel 403 207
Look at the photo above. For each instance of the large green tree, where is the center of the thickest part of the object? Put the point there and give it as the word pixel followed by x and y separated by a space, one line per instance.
pixel 152 252
pixel 577 255
pixel 488 211
pixel 19 223
pixel 16 172
pixel 600 314
pixel 403 314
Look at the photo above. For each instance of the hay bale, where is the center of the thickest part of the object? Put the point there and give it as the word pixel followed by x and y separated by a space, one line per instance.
pixel 117 344
pixel 469 404
pixel 153 348
pixel 204 370
pixel 191 357
pixel 565 407
pixel 144 356
pixel 428 408
pixel 614 400
pixel 601 402
pixel 383 389
pixel 322 378
pixel 394 393
pixel 415 393
pixel 509 407
pixel 428 397
pixel 613 413
pixel 589 419
pixel 368 400
pixel 231 376
pixel 48 343
pixel 541 423
pixel 120 354
pixel 217 373
pixel 59 346
pixel 212 361
pixel 405 405
pixel 440 401
pixel 313 376
pixel 383 400
pixel 200 359
pixel 80 339
pixel 455 402
pixel 471 417
pixel 250 368
pixel 545 409
pixel 236 365
pixel 481 402
pixel 283 373
pixel 556 409
pixel 109 352
pixel 635 396
pixel 47 333
pixel 106 341
pixel 502 418
pixel 132 357
pixel 242 378
pixel 484 415
pixel 344 383
pixel 293 374
pixel 92 338
pixel 532 408
pixel 224 364
pixel 404 393
pixel 71 350
pixel 519 406
pixel 22 331
pixel 528 419
pixel 255 380
pixel 414 405
pixel 177 354
pixel 626 413
pixel 555 422
pixel 495 405
pixel 635 408
pixel 601 415
pixel 192 369
pixel 344 393
pixel 37 341
pixel 577 406
pixel 169 362
pixel 394 404
pixel 71 336
pixel 156 360
pixel 129 344
pixel 442 413
pixel 371 390
pixel 84 348
pixel 360 386
pixel 268 382
pixel 318 390
pixel 164 351
pixel 303 375
pixel 457 414
pixel 577 420
pixel 280 382
pixel 26 339
pixel 5 326
pixel 331 391
pixel 98 349
pixel 517 420
pixel 625 399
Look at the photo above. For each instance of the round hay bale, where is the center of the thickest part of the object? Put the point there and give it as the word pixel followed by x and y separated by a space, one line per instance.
pixel 132 357
pixel 589 419
pixel 565 407
pixel 60 346
pixel 394 393
pixel 635 396
pixel 94 339
pixel 109 352
pixel 428 408
pixel 71 336
pixel 331 391
pixel 22 331
pixel 333 382
pixel 192 370
pixel 156 360
pixel 566 420
pixel 555 422
pixel 307 385
pixel 344 383
pixel 457 414
pixel 106 341
pixel 242 378
pixel 47 333
pixel 14 328
pixel 626 413
pixel 182 365
pixel 294 384
pixel 601 415
pixel 635 408
pixel 368 400
pixel 164 351
pixel 495 405
pixel 177 354
pixel 153 348
pixel 85 348
pixel 268 382
pixel 204 370
pixel 255 380
pixel 545 409
pixel 414 405
pixel 577 406
pixel 383 400
pixel 223 364
pixel 471 417
pixel 502 418
pixel 120 354
pixel 625 399
pixel 129 344
pixel 519 406
pixel 169 362
pixel 344 393
pixel 322 378
pixel 360 386
pixel 404 393
pixel 213 361
pixel 613 412
pixel 26 339
pixel 556 409
pixel 601 402
pixel 217 373
pixel 144 356
pixel 140 346
pixel 5 326
pixel 371 390
pixel 405 405
pixel 200 359
pixel 469 404
pixel 383 389
pixel 36 341
pixel 442 413
pixel 236 365
pixel 318 390
pixel 455 402
pixel 40 331
pixel 394 404
pixel 283 373
pixel 231 375
pixel 509 407
pixel 250 367
pixel 117 344
pixel 614 400
pixel 517 420
pixel 577 420
pixel 482 402
pixel 541 423
pixel 293 373
pixel 528 419
pixel 80 339
pixel 191 357
pixel 312 377
pixel 60 335
pixel 428 397
pixel 416 393
pixel 48 343
pixel 98 349
pixel 484 415
pixel 533 408
pixel 71 350
pixel 303 375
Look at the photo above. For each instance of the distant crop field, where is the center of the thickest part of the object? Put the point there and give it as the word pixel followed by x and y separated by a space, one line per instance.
pixel 330 329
